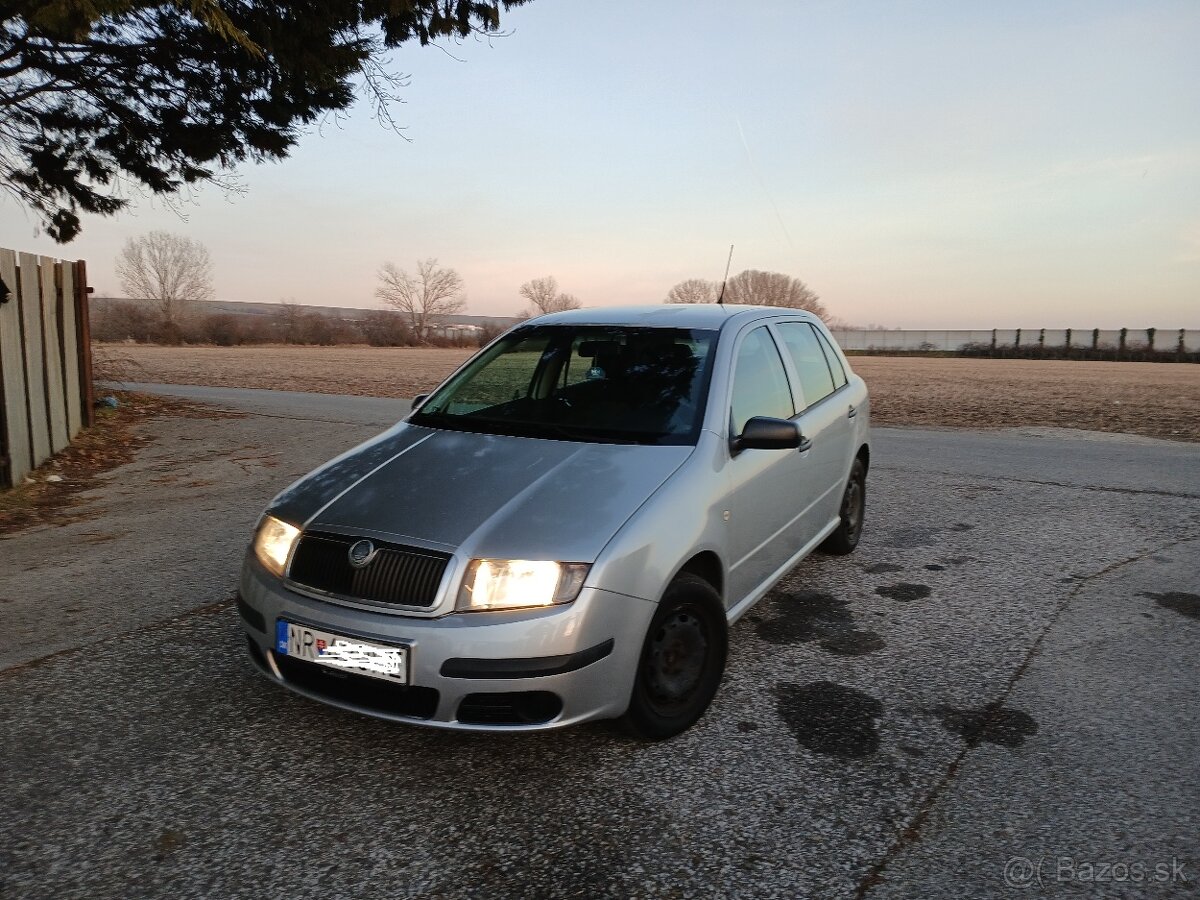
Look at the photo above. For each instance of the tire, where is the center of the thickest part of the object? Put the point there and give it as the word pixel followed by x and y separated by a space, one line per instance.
pixel 853 510
pixel 682 661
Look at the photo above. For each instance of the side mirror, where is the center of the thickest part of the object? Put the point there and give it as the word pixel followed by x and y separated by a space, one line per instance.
pixel 419 401
pixel 766 433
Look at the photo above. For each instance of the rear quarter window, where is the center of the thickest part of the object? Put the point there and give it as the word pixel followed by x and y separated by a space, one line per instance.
pixel 835 361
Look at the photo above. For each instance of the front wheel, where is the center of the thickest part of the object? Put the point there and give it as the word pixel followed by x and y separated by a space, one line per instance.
pixel 854 507
pixel 682 661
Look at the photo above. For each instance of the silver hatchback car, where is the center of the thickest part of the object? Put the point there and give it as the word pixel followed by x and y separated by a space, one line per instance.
pixel 566 528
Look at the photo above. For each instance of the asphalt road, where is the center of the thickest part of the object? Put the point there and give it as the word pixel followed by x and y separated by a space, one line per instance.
pixel 995 696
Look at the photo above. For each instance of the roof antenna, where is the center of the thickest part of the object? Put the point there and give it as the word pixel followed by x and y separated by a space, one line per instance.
pixel 721 296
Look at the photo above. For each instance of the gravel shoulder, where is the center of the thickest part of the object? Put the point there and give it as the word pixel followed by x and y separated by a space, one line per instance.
pixel 1152 399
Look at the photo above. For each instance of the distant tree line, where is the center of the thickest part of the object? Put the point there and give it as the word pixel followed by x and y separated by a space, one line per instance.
pixel 140 322
pixel 173 277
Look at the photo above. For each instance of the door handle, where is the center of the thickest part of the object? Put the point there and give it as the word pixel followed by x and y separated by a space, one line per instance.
pixel 853 412
pixel 805 444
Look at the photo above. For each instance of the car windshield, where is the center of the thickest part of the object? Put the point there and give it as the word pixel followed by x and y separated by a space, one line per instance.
pixel 607 384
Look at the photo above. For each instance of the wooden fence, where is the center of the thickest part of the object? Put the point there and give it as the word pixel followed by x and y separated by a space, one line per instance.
pixel 45 360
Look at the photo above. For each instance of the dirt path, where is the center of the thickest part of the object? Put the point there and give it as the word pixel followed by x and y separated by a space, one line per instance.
pixel 1153 399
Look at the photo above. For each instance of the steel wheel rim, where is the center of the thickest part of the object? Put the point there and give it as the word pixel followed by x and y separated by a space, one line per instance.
pixel 677 658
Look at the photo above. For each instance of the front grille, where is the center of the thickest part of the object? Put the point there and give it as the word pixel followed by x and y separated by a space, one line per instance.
pixel 405 576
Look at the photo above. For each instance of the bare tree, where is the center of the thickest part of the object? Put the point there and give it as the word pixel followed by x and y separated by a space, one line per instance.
pixel 169 270
pixel 432 292
pixel 544 296
pixel 693 290
pixel 287 320
pixel 753 287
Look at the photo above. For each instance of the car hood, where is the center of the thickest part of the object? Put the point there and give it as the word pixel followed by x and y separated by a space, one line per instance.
pixel 491 495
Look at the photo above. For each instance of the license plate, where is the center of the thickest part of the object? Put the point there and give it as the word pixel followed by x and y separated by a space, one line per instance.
pixel 340 652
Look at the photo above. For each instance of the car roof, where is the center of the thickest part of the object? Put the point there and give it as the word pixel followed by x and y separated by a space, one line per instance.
pixel 711 316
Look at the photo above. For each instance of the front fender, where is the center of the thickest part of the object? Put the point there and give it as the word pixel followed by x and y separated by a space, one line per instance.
pixel 685 516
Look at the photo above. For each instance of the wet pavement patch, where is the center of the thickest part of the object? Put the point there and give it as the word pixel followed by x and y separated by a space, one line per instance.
pixel 1177 601
pixel 993 723
pixel 830 719
pixel 803 616
pixel 853 643
pixel 882 568
pixel 904 591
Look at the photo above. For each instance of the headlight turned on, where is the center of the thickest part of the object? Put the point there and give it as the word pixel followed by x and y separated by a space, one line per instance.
pixel 519 583
pixel 273 543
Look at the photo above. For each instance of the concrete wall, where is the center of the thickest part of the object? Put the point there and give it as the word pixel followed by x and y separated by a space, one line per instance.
pixel 863 339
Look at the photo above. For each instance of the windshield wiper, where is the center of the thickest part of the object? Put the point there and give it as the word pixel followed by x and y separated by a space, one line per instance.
pixel 595 435
pixel 518 428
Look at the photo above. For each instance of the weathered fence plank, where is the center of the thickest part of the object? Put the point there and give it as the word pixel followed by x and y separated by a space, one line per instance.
pixel 45 365
pixel 56 400
pixel 35 358
pixel 70 349
pixel 14 418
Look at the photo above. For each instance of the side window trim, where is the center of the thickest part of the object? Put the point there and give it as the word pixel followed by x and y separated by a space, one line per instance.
pixel 793 377
pixel 788 375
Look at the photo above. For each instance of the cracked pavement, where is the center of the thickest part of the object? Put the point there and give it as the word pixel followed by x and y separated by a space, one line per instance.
pixel 1005 671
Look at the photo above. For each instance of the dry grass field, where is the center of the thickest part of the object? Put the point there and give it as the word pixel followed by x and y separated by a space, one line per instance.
pixel 1153 399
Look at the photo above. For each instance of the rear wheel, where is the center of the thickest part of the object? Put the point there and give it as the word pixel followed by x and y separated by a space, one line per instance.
pixel 682 661
pixel 853 510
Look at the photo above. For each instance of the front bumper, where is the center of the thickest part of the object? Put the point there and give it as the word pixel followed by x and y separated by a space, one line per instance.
pixel 548 667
